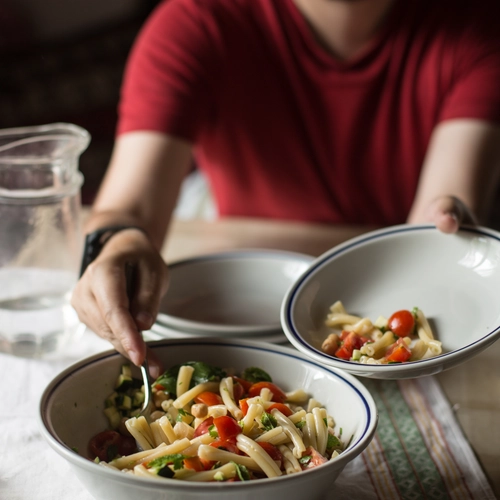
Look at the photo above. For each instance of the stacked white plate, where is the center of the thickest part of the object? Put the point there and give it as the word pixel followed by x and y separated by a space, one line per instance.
pixel 233 294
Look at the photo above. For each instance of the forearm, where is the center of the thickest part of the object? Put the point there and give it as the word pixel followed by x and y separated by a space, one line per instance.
pixel 142 183
pixel 463 162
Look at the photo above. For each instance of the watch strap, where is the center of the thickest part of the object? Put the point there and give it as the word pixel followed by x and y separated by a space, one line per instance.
pixel 95 241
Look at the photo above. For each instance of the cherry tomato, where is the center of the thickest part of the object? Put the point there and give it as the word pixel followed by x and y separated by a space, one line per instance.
pixel 227 427
pixel 402 323
pixel 278 396
pixel 244 383
pixel 316 458
pixel 204 427
pixel 227 444
pixel 108 444
pixel 343 352
pixel 194 463
pixel 272 451
pixel 208 398
pixel 238 391
pixel 282 408
pixel 350 341
pixel 244 405
pixel 398 352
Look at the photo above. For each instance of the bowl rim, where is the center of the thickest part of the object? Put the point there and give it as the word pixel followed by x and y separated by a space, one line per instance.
pixel 217 329
pixel 75 459
pixel 406 369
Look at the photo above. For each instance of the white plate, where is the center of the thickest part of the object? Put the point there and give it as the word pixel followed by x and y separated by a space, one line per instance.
pixel 453 279
pixel 162 332
pixel 230 293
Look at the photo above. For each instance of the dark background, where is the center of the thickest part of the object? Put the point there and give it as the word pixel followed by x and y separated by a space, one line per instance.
pixel 63 61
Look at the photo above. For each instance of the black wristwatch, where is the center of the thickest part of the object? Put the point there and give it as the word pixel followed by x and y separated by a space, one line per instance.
pixel 95 241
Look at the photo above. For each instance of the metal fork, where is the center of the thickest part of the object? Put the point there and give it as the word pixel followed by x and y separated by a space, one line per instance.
pixel 148 395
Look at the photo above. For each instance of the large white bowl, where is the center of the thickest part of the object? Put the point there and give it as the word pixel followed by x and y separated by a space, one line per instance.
pixel 71 412
pixel 230 293
pixel 453 279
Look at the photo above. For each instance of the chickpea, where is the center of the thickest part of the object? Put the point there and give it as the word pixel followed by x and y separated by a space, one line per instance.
pixel 199 410
pixel 331 344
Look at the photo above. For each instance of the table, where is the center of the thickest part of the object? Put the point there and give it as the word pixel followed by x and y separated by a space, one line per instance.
pixel 473 388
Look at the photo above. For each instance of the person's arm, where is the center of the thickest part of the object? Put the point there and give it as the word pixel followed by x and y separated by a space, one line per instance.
pixel 140 189
pixel 459 176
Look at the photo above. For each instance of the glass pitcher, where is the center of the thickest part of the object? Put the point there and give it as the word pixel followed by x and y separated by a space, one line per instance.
pixel 40 236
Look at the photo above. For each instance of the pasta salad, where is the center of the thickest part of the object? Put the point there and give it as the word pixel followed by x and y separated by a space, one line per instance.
pixel 210 425
pixel 405 336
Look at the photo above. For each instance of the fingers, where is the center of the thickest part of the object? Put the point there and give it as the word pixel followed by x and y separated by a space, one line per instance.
pixel 150 285
pixel 101 297
pixel 448 213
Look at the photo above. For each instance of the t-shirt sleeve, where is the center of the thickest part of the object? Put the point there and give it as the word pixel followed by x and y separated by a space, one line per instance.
pixel 476 89
pixel 169 76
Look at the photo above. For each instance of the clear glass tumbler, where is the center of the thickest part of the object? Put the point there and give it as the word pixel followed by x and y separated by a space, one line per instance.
pixel 40 236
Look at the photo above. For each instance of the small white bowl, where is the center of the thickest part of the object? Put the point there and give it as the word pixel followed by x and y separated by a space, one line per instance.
pixel 230 293
pixel 71 412
pixel 453 279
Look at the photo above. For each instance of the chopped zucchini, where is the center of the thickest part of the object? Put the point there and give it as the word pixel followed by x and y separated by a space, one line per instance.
pixel 114 416
pixel 124 383
pixel 124 402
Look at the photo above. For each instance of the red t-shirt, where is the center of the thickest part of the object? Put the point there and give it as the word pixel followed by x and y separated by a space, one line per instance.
pixel 283 129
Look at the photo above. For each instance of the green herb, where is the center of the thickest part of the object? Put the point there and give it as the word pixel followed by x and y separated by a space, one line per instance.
pixel 333 442
pixel 254 375
pixel 177 459
pixel 203 372
pixel 242 472
pixel 268 421
pixel 212 430
pixel 75 449
pixel 305 459
pixel 183 413
pixel 383 329
pixel 300 424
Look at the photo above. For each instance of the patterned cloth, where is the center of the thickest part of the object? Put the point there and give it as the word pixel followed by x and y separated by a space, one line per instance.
pixel 419 450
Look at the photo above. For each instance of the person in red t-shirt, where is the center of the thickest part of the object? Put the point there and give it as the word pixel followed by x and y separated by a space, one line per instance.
pixel 332 111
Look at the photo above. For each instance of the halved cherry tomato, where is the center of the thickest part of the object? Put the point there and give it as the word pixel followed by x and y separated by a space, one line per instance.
pixel 282 408
pixel 343 352
pixel 208 398
pixel 398 352
pixel 227 427
pixel 207 464
pixel 204 427
pixel 228 445
pixel 278 396
pixel 244 405
pixel 316 458
pixel 238 391
pixel 244 383
pixel 350 341
pixel 194 463
pixel 272 451
pixel 402 323
pixel 108 444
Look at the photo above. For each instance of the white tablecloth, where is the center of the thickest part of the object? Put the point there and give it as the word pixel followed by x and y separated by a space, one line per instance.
pixel 31 470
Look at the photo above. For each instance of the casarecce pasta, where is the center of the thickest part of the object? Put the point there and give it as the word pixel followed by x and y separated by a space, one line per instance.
pixel 208 425
pixel 405 336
